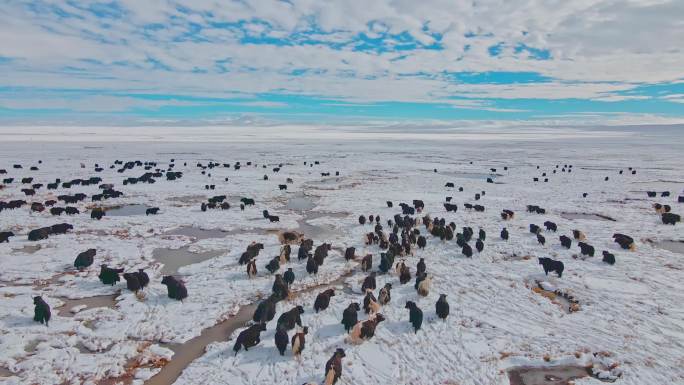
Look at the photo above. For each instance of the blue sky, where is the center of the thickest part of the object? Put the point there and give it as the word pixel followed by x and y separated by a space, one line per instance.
pixel 340 61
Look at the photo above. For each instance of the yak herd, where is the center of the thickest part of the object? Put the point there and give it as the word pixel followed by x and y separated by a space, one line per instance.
pixel 405 232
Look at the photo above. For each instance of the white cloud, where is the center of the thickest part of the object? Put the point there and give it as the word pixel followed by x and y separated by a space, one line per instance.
pixel 598 47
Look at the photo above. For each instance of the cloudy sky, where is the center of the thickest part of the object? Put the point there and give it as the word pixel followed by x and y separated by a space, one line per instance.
pixel 340 60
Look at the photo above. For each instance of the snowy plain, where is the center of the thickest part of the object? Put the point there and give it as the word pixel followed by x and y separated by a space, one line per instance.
pixel 629 326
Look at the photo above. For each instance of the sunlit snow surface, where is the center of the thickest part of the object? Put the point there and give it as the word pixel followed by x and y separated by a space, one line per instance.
pixel 630 318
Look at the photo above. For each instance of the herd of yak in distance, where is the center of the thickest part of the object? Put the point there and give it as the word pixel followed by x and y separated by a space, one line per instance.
pixel 403 236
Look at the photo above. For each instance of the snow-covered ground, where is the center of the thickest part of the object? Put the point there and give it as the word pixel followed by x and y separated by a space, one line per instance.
pixel 630 322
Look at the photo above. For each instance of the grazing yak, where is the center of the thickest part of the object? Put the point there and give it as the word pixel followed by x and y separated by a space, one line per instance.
pixel 247 201
pixel 349 253
pixel 251 252
pixel 109 276
pixel 39 234
pixel 467 250
pixel 280 289
pixel 586 249
pixel 323 300
pixel 565 241
pixel 549 264
pixel 132 282
pixel 85 259
pixel 625 241
pixel 534 229
pixel 415 315
pixel 370 303
pixel 404 273
pixel 535 209
pixel 333 368
pixel 479 245
pixel 385 294
pixel 60 228
pixel 281 341
pixel 5 236
pixel 41 311
pixel 152 211
pixel 311 265
pixel 507 215
pixel 97 213
pixel 251 268
pixel 298 341
pixel 578 235
pixel 421 267
pixel 369 282
pixel 273 265
pixel 423 286
pixel 175 288
pixel 550 226
pixel 608 258
pixel 290 318
pixel 321 253
pixel 541 239
pixel 350 316
pixel 660 209
pixel 249 337
pixel 367 262
pixel 442 307
pixel 504 234
pixel 289 277
pixel 671 219
pixel 143 278
pixel 365 330
pixel 265 310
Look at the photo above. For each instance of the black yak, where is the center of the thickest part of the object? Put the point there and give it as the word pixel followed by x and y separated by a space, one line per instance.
pixel 350 316
pixel 85 259
pixel 608 258
pixel 442 307
pixel 415 315
pixel 175 288
pixel 249 337
pixel 323 300
pixel 549 264
pixel 41 311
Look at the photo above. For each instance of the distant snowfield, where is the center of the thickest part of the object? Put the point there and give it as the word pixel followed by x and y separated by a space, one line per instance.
pixel 629 326
pixel 294 133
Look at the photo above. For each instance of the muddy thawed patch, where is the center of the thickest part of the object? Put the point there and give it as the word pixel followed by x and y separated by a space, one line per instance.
pixel 199 233
pixel 4 372
pixel 673 246
pixel 73 306
pixel 551 375
pixel 300 202
pixel 173 259
pixel 589 216
pixel 126 210
pixel 187 352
